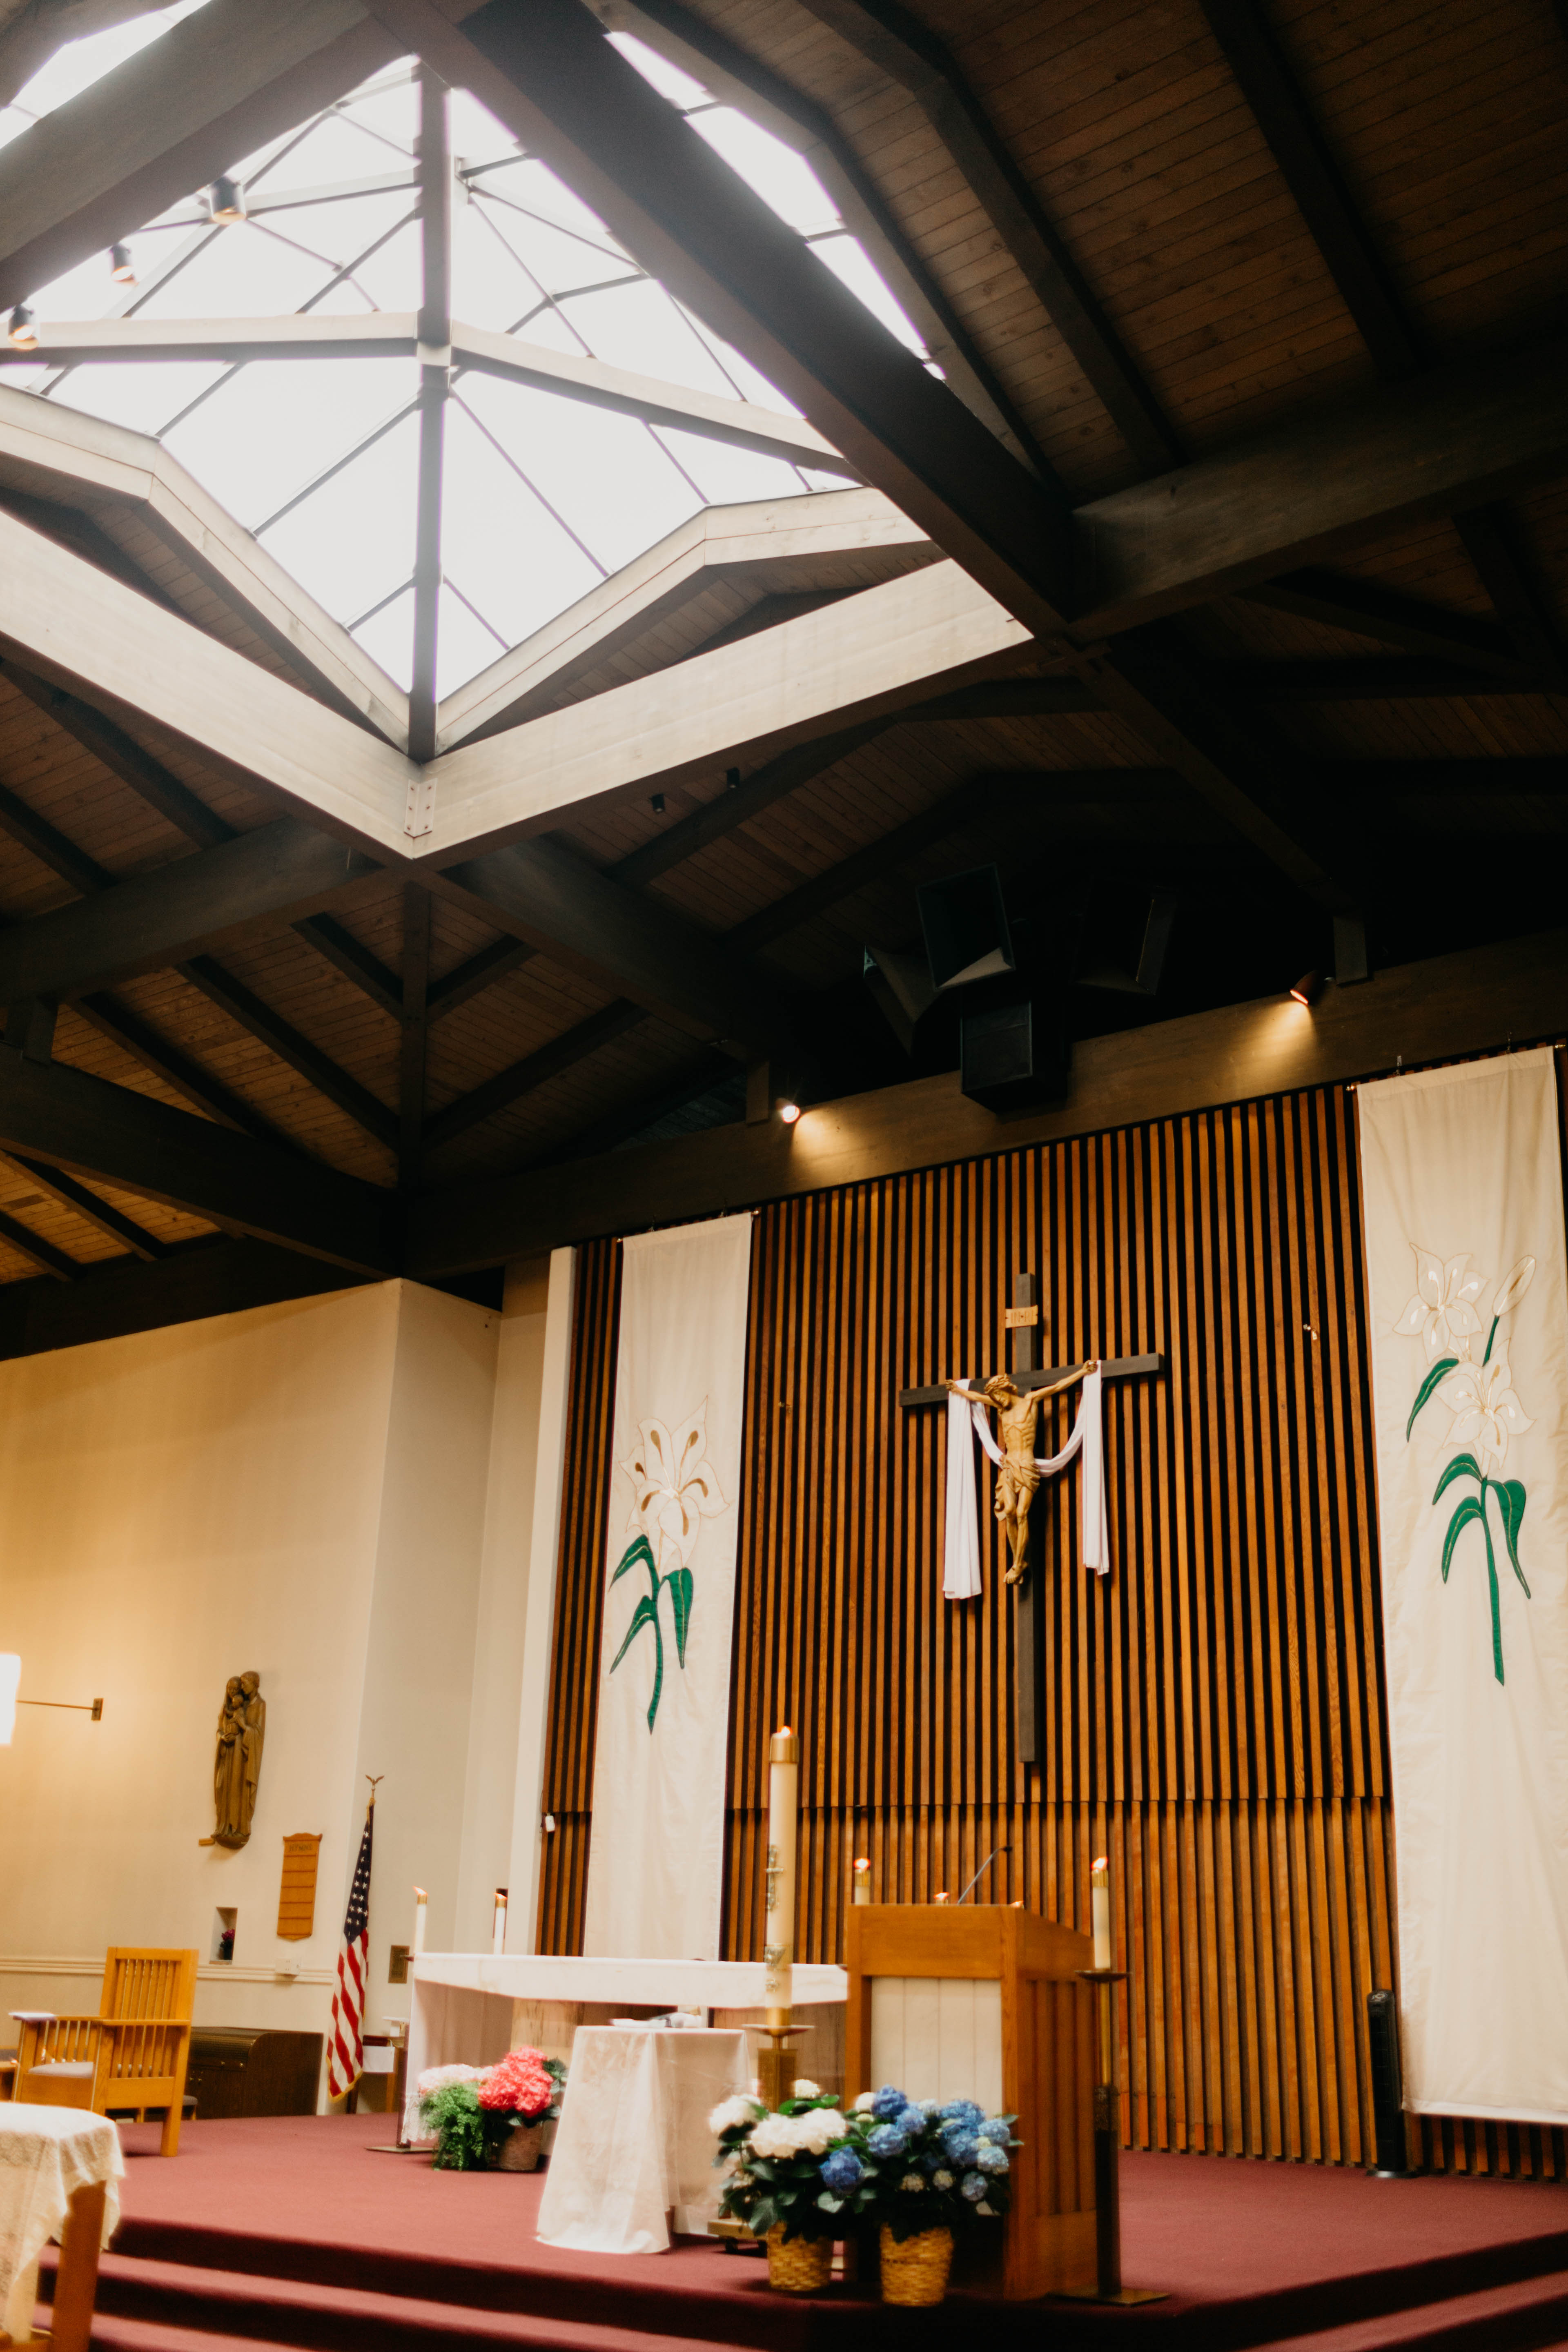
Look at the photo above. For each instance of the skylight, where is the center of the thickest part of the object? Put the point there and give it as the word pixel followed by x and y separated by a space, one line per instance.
pixel 543 495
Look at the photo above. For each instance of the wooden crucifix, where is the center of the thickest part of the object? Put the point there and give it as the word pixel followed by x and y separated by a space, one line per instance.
pixel 1025 1330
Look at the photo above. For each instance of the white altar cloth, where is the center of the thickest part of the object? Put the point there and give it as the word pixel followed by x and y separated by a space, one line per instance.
pixel 47 2154
pixel 461 2001
pixel 633 2145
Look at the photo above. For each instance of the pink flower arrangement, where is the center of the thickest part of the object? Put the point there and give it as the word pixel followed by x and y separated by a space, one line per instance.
pixel 521 2085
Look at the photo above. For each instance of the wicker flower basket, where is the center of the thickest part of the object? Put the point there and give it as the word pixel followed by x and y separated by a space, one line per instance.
pixel 916 2272
pixel 520 2151
pixel 803 2266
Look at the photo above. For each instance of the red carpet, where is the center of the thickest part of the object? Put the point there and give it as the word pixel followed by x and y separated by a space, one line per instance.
pixel 285 2230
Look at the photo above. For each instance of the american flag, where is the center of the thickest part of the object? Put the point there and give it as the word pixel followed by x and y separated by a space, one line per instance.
pixel 345 2048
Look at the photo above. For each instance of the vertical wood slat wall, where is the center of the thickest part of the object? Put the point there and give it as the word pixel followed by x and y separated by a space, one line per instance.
pixel 1212 1711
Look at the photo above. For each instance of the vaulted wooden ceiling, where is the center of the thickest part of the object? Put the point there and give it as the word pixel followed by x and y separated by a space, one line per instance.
pixel 1251 425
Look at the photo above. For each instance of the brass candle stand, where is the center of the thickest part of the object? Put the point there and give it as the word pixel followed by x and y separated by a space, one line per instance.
pixel 1108 2286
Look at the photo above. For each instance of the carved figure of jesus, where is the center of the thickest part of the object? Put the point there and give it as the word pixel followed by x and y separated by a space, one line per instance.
pixel 1018 1412
pixel 241 1731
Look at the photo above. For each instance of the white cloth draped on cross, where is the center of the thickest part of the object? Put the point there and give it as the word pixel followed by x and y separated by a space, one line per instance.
pixel 965 1422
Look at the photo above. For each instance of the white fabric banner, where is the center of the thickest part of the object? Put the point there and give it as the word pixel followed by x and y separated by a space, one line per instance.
pixel 961 1536
pixel 656 1857
pixel 1467 1298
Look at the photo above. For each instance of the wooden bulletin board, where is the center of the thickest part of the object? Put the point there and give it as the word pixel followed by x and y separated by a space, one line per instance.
pixel 296 1894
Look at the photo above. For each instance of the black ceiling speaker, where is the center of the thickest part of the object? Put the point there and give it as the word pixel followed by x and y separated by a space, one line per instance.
pixel 965 926
pixel 1145 980
pixel 1016 1057
pixel 903 988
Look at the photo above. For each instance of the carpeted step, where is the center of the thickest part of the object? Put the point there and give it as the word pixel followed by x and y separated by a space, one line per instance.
pixel 203 2308
pixel 1527 2318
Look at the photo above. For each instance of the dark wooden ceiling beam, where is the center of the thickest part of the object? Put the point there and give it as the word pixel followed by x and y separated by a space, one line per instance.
pixel 85 1204
pixel 1398 346
pixel 534 1070
pixel 414 1040
pixel 1331 479
pixel 112 1136
pixel 171 119
pixel 735 76
pixel 1359 678
pixel 1394 619
pixel 149 922
pixel 248 1010
pixel 163 1059
pixel 547 71
pixel 39 1252
pixel 912 57
pixel 482 969
pixel 594 925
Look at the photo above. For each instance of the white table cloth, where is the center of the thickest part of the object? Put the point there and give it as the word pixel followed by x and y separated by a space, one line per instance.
pixel 460 2013
pixel 633 2145
pixel 47 2154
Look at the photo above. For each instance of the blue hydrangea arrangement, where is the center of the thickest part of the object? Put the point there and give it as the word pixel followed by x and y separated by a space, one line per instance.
pixel 910 2165
pixel 927 2164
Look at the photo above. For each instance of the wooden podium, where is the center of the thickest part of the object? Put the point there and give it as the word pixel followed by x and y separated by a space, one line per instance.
pixel 990 2004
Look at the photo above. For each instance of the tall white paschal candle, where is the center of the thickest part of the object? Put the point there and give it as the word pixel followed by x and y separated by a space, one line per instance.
pixel 498 1933
pixel 1100 1906
pixel 784 1804
pixel 421 1911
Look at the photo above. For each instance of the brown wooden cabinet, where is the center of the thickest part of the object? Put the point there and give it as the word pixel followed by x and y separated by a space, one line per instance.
pixel 238 2070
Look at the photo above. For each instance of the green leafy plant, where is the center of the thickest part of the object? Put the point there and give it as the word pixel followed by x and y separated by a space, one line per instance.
pixel 454 2113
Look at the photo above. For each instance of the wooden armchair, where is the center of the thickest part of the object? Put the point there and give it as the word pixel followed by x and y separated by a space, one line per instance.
pixel 131 2056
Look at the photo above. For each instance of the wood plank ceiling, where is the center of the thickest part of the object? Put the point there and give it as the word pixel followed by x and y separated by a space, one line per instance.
pixel 1142 231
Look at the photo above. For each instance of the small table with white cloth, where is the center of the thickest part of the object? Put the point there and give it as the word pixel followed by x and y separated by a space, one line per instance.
pixel 632 2152
pixel 469 2008
pixel 60 2170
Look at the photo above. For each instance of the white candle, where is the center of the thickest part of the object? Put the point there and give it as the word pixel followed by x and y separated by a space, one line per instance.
pixel 498 1932
pixel 421 1908
pixel 784 1804
pixel 1100 1906
pixel 862 1890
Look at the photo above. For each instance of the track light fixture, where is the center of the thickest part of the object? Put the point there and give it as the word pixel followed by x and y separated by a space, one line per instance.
pixel 789 1112
pixel 224 203
pixel 122 268
pixel 1308 988
pixel 24 334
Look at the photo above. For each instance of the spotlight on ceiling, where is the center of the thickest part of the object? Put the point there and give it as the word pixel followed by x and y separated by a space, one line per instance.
pixel 122 268
pixel 24 334
pixel 789 1112
pixel 1308 988
pixel 224 203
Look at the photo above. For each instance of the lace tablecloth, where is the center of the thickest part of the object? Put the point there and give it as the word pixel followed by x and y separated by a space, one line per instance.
pixel 633 2148
pixel 45 2154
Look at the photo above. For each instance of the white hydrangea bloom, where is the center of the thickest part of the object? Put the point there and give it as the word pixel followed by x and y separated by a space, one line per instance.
pixel 816 2130
pixel 913 2181
pixel 803 2089
pixel 864 2103
pixel 730 2112
pixel 773 2137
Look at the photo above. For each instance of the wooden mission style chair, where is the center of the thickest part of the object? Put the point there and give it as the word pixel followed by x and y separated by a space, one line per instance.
pixel 131 2056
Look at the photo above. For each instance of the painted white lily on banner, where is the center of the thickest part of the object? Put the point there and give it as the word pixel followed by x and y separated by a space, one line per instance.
pixel 1485 1411
pixel 1443 1311
pixel 673 1486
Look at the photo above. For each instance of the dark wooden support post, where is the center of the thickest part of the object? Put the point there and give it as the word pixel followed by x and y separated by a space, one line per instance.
pixel 435 368
pixel 415 1032
pixel 1024 1321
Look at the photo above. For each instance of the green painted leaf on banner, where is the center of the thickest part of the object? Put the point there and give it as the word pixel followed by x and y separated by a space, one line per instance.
pixel 644 1613
pixel 1445 1364
pixel 680 1583
pixel 636 1549
pixel 1463 1466
pixel 1470 1508
pixel 1510 1496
